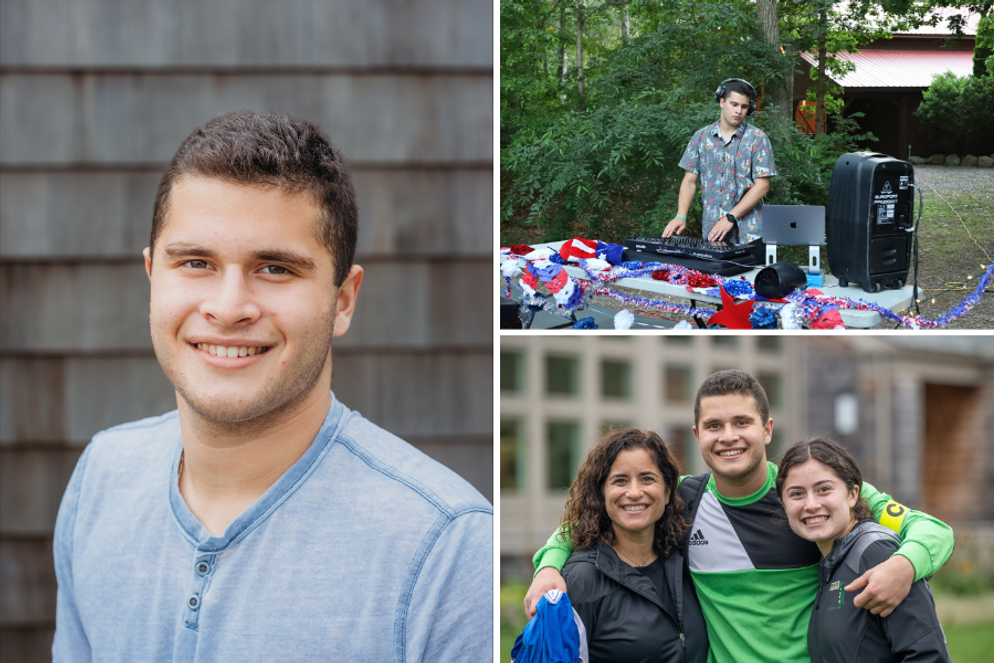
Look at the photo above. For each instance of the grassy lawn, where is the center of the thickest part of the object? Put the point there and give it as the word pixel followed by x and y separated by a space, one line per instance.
pixel 970 644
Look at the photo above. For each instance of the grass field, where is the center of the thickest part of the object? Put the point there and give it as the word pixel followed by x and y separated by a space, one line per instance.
pixel 973 643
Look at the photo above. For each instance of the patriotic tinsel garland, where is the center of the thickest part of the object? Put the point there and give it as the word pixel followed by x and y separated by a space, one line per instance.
pixel 547 267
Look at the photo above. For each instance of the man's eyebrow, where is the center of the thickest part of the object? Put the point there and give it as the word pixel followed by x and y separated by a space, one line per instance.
pixel 291 258
pixel 187 250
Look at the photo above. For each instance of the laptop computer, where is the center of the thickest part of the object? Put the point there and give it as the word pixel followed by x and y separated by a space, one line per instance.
pixel 794 225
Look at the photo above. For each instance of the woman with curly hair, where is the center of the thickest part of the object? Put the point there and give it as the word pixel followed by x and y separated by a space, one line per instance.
pixel 627 580
pixel 819 485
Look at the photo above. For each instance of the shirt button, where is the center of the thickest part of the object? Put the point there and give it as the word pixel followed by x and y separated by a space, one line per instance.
pixel 203 568
pixel 193 602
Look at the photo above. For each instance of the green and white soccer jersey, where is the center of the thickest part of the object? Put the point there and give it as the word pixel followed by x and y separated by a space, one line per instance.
pixel 755 577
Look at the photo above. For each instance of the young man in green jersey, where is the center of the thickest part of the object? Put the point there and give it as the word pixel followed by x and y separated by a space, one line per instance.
pixel 755 578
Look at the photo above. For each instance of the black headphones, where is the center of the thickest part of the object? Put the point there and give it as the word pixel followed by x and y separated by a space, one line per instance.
pixel 720 93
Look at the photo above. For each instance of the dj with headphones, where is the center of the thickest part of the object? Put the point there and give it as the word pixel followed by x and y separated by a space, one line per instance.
pixel 734 161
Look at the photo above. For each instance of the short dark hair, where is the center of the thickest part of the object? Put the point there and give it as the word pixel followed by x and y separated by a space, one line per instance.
pixel 272 151
pixel 741 87
pixel 830 454
pixel 585 518
pixel 724 383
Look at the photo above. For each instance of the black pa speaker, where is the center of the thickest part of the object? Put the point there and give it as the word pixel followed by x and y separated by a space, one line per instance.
pixel 867 219
pixel 779 280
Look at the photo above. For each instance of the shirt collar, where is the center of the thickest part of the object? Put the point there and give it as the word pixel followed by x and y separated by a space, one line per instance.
pixel 716 130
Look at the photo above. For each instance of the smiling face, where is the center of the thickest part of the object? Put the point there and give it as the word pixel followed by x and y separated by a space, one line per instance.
pixel 733 438
pixel 243 301
pixel 818 505
pixel 635 493
pixel 734 107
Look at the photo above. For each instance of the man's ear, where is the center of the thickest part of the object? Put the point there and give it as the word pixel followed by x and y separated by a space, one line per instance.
pixel 148 262
pixel 347 294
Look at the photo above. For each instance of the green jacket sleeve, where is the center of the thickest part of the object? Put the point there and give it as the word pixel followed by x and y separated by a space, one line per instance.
pixel 554 553
pixel 927 542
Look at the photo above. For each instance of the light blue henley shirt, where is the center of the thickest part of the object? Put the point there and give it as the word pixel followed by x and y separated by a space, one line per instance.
pixel 364 550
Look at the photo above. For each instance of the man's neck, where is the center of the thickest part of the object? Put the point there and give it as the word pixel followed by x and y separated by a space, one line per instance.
pixel 743 486
pixel 227 468
pixel 726 130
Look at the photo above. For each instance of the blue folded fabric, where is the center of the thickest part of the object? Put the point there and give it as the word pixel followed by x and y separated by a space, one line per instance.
pixel 552 635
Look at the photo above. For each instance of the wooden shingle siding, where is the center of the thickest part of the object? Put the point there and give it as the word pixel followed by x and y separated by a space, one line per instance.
pixel 407 211
pixel 95 96
pixel 305 33
pixel 142 118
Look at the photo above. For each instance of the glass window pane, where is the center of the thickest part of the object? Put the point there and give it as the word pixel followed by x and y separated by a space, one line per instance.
pixel 772 384
pixel 725 342
pixel 676 385
pixel 510 432
pixel 770 344
pixel 616 379
pixel 676 339
pixel 562 376
pixel 562 443
pixel 511 378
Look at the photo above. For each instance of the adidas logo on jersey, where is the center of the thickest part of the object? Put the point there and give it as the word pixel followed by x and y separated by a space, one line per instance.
pixel 697 539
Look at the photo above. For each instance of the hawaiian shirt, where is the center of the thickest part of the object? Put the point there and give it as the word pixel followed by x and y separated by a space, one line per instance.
pixel 726 171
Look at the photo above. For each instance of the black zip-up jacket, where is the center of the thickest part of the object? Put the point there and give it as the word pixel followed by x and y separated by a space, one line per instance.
pixel 839 632
pixel 623 616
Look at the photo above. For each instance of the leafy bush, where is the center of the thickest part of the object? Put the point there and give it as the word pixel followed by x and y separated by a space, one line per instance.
pixel 955 114
pixel 613 171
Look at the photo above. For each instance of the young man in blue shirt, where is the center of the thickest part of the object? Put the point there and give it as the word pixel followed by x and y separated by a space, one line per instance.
pixel 734 161
pixel 263 520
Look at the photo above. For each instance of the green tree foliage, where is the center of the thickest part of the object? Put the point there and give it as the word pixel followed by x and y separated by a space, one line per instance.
pixel 612 170
pixel 955 113
pixel 983 50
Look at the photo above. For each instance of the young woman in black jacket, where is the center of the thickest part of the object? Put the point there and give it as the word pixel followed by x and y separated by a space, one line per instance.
pixel 627 580
pixel 819 485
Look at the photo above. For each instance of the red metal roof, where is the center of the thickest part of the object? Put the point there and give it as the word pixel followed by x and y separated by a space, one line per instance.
pixel 900 68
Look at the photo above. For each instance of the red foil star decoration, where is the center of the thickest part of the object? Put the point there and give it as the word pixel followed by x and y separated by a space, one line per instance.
pixel 733 316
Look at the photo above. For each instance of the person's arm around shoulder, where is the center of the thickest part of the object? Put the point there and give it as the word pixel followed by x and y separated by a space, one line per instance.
pixel 449 615
pixel 70 643
pixel 549 561
pixel 913 629
pixel 927 544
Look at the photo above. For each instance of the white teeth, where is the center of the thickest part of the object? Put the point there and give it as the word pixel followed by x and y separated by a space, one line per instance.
pixel 726 454
pixel 637 507
pixel 814 521
pixel 230 351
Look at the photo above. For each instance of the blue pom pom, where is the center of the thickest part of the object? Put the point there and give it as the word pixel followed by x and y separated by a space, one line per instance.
pixel 737 287
pixel 585 323
pixel 763 318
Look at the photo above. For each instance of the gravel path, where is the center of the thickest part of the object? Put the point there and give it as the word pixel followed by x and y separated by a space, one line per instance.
pixel 956 237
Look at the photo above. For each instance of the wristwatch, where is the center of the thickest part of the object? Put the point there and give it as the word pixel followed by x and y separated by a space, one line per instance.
pixel 731 218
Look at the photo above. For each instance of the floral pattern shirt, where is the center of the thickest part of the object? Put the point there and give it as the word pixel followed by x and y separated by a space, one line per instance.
pixel 726 171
